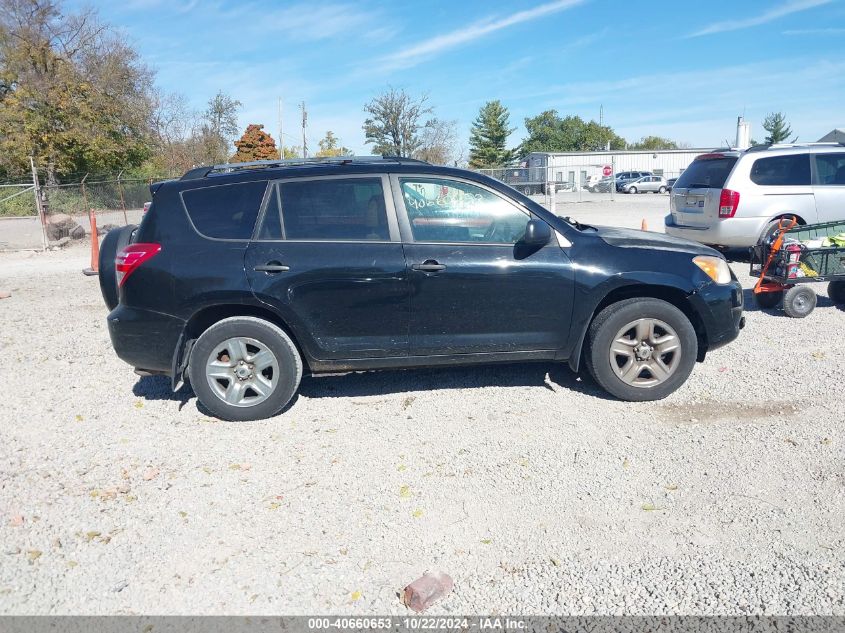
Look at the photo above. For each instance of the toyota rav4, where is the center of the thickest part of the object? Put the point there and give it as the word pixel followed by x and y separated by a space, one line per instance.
pixel 243 277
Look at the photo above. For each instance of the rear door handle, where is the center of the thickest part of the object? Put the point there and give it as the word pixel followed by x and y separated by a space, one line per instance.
pixel 429 266
pixel 272 267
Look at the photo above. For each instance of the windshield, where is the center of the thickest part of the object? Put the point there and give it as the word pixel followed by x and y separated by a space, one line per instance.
pixel 707 173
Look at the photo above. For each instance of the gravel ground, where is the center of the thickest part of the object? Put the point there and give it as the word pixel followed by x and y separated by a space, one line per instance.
pixel 535 492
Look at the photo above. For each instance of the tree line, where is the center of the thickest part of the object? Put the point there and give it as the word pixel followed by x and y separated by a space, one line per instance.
pixel 76 98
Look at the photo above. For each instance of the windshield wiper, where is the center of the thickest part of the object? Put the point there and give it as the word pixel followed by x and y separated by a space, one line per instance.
pixel 578 225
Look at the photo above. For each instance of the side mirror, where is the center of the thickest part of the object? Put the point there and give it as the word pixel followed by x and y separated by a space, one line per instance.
pixel 537 233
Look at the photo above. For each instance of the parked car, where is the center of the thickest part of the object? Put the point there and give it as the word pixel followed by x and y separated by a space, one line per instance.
pixel 670 183
pixel 244 277
pixel 624 177
pixel 646 184
pixel 603 186
pixel 734 198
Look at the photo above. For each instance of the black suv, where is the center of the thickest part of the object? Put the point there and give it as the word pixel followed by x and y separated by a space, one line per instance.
pixel 243 277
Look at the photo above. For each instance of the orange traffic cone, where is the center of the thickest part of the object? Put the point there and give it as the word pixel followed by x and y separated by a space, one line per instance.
pixel 644 225
pixel 95 247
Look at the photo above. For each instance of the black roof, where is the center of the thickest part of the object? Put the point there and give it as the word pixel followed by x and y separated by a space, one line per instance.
pixel 230 168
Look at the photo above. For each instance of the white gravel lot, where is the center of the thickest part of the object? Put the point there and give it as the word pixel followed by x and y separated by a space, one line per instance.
pixel 535 492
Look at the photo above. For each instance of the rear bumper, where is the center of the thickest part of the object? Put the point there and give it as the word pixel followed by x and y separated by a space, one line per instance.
pixel 143 338
pixel 720 307
pixel 734 232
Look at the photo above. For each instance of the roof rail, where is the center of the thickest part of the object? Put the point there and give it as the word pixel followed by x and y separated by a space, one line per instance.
pixel 764 147
pixel 202 172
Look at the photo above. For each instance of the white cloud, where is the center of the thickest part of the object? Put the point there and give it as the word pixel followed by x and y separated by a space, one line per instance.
pixel 418 53
pixel 787 8
pixel 830 31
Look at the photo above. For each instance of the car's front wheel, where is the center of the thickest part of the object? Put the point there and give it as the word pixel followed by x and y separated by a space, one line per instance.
pixel 632 190
pixel 641 349
pixel 245 368
pixel 661 190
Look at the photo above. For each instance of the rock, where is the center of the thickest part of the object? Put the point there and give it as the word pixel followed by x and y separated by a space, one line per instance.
pixel 16 520
pixel 5 294
pixel 60 242
pixel 77 232
pixel 61 225
pixel 102 230
pixel 426 590
pixel 123 584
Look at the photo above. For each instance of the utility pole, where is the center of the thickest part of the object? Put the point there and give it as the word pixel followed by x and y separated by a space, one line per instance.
pixel 304 125
pixel 601 115
pixel 281 138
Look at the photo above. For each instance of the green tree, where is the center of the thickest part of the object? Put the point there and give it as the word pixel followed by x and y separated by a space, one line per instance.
pixel 330 146
pixel 73 95
pixel 548 132
pixel 654 142
pixel 219 127
pixel 255 144
pixel 489 135
pixel 777 127
pixel 395 121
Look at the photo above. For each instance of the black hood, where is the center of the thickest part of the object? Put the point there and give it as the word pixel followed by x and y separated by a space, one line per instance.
pixel 631 238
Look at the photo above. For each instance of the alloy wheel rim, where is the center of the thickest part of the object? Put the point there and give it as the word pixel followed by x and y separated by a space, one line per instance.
pixel 242 371
pixel 645 353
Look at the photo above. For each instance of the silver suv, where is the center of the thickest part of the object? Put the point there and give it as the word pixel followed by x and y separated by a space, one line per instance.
pixel 733 198
pixel 653 184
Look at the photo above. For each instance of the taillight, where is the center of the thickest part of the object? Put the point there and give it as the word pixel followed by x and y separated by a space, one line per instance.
pixel 728 202
pixel 128 260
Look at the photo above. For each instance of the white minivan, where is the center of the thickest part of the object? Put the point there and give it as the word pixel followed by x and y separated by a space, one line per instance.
pixel 733 198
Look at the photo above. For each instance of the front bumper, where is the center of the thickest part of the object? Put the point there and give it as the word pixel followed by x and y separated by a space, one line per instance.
pixel 720 307
pixel 733 232
pixel 144 339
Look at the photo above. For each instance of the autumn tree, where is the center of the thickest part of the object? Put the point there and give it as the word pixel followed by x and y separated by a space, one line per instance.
pixel 330 146
pixel 73 95
pixel 437 142
pixel 489 135
pixel 255 144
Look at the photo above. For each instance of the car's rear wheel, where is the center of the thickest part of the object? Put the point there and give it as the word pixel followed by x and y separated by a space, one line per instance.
pixel 245 368
pixel 768 300
pixel 836 292
pixel 799 301
pixel 641 349
pixel 661 190
pixel 114 241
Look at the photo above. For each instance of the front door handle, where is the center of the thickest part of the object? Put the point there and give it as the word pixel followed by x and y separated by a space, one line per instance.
pixel 429 266
pixel 272 268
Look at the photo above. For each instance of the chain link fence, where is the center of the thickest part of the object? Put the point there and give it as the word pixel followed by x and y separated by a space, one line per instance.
pixel 115 202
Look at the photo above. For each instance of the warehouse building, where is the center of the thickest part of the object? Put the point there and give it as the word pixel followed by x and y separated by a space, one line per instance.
pixel 579 167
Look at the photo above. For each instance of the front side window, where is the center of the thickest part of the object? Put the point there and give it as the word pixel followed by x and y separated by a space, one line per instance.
pixel 334 209
pixel 225 211
pixel 831 168
pixel 442 210
pixel 792 169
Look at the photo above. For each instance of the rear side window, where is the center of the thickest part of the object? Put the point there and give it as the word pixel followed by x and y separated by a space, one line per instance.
pixel 831 168
pixel 225 211
pixel 706 173
pixel 793 169
pixel 334 209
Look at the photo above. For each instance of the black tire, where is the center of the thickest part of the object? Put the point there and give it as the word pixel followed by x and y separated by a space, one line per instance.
pixel 269 335
pixel 114 241
pixel 632 190
pixel 661 190
pixel 799 301
pixel 836 292
pixel 768 300
pixel 608 323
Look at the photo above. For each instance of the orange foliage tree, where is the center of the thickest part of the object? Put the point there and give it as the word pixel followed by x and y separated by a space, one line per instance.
pixel 255 144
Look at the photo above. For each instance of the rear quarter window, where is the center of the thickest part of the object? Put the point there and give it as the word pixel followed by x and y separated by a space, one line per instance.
pixel 225 211
pixel 706 173
pixel 792 169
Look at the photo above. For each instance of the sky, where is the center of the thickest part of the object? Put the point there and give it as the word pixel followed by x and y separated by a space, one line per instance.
pixel 683 70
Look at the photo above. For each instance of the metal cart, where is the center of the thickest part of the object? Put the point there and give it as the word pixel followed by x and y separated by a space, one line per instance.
pixel 792 258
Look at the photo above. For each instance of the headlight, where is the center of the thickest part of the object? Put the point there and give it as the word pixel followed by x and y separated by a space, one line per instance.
pixel 714 267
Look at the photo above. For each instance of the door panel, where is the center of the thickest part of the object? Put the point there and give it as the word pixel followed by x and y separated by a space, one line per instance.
pixel 489 298
pixel 327 257
pixel 829 186
pixel 475 287
pixel 347 300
